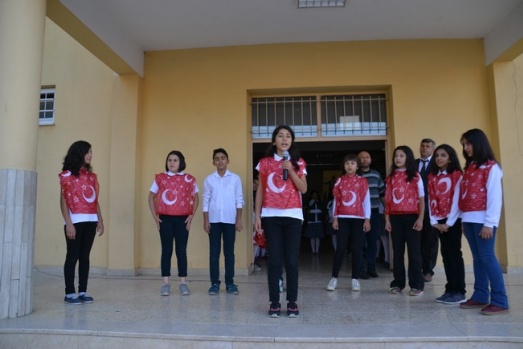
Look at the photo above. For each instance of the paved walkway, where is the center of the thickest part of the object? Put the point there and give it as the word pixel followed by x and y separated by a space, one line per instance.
pixel 129 312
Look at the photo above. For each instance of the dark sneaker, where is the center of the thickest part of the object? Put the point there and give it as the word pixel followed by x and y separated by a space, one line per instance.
pixel 232 289
pixel 72 300
pixel 455 298
pixel 441 299
pixel 364 276
pixel 472 304
pixel 274 310
pixel 492 309
pixel 292 309
pixel 85 298
pixel 373 274
pixel 214 290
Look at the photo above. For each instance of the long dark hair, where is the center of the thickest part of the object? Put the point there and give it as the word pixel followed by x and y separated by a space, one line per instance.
pixel 410 162
pixel 75 158
pixel 453 164
pixel 180 156
pixel 293 150
pixel 481 149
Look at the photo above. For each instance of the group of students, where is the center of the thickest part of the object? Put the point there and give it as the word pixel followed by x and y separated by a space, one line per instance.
pixel 474 195
pixel 459 202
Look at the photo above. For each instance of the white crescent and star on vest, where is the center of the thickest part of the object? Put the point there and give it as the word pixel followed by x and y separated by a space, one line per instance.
pixel 447 182
pixel 351 201
pixel 165 200
pixel 92 198
pixel 188 179
pixel 394 198
pixel 273 186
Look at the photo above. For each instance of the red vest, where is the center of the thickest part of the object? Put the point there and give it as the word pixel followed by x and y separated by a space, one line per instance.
pixel 401 197
pixel 175 195
pixel 473 193
pixel 278 193
pixel 349 193
pixel 441 190
pixel 80 193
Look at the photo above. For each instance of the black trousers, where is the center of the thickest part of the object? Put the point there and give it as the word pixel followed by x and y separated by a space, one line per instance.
pixel 174 229
pixel 403 233
pixel 350 229
pixel 429 246
pixel 78 250
pixel 453 258
pixel 283 237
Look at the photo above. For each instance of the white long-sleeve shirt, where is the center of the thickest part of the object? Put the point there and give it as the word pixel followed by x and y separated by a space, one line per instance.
pixel 222 196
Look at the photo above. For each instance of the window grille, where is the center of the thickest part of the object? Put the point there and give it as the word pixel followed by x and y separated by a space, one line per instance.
pixel 298 112
pixel 354 115
pixel 47 103
pixel 321 116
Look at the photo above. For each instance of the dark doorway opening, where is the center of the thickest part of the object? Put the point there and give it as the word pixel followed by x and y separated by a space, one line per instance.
pixel 324 161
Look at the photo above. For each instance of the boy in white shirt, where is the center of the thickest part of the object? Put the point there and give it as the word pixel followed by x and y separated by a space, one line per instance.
pixel 222 218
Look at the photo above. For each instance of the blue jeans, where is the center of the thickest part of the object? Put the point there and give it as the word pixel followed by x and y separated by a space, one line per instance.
pixel 283 236
pixel 228 232
pixel 486 268
pixel 174 228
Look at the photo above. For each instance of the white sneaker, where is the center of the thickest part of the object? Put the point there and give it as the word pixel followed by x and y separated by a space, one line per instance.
pixel 332 284
pixel 355 285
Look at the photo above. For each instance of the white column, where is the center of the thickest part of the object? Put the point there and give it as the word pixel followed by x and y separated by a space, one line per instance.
pixel 22 25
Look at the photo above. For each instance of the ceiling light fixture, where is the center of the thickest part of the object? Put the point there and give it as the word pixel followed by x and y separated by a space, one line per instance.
pixel 320 3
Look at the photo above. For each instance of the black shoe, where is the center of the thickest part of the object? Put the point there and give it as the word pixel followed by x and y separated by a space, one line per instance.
pixel 373 274
pixel 364 276
pixel 274 310
pixel 292 309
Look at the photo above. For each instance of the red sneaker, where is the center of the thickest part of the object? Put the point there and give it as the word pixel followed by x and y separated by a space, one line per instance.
pixel 492 309
pixel 472 304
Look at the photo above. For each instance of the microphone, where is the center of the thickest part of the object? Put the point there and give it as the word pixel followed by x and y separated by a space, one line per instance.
pixel 285 171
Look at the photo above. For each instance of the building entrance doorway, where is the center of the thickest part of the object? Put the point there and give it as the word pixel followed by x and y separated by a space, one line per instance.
pixel 324 166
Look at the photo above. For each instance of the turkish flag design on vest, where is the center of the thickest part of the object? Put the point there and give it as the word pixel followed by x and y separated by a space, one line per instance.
pixel 80 193
pixel 175 195
pixel 349 193
pixel 278 193
pixel 441 192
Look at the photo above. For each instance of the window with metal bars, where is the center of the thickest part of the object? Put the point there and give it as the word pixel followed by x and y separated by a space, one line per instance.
pixel 47 102
pixel 321 116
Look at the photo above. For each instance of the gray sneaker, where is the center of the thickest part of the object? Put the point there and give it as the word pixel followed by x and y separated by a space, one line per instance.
pixel 455 298
pixel 184 289
pixel 166 290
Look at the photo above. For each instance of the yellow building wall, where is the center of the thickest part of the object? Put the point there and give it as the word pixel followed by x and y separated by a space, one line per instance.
pixel 84 88
pixel 197 100
pixel 506 86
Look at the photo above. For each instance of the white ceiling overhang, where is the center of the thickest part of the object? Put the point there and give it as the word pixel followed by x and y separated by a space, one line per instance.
pixel 132 27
